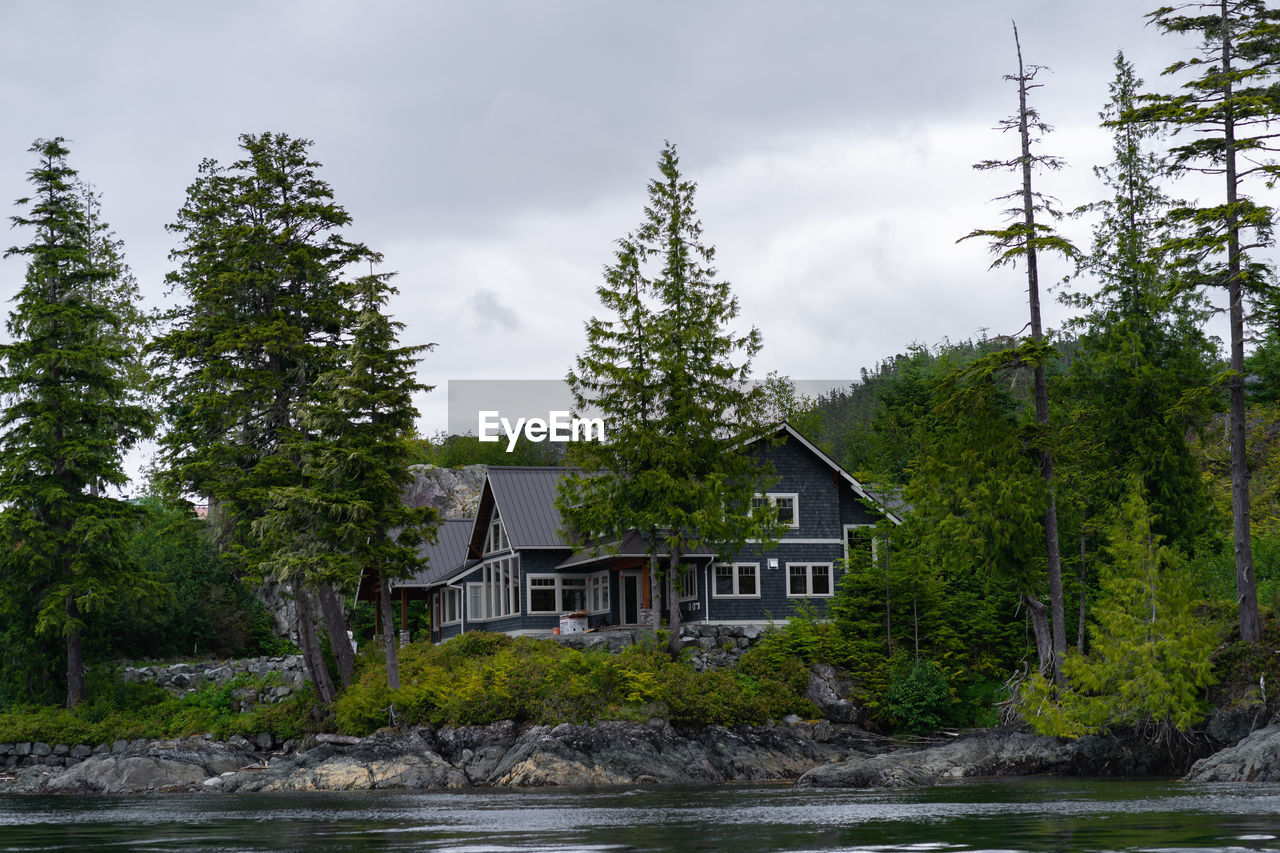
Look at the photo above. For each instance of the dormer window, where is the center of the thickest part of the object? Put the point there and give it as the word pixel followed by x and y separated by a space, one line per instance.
pixel 496 539
pixel 787 506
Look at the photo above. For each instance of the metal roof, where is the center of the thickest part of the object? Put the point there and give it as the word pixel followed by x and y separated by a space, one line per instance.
pixel 444 555
pixel 632 544
pixel 526 499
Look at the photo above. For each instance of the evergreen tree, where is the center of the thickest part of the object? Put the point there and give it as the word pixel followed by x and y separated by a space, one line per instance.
pixel 262 263
pixel 73 411
pixel 1024 240
pixel 671 379
pixel 1149 650
pixel 1229 108
pixel 338 523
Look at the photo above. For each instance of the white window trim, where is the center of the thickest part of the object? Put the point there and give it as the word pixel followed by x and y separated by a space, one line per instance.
pixel 559 587
pixel 808 580
pixel 875 542
pixel 445 593
pixel 497 588
pixel 715 593
pixel 691 575
pixel 503 544
pixel 772 497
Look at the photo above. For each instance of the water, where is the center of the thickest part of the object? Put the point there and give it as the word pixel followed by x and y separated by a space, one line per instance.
pixel 990 815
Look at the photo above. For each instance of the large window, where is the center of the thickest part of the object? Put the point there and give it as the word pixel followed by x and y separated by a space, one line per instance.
pixel 786 505
pixel 450 605
pixel 497 592
pixel 687 585
pixel 808 579
pixel 737 580
pixel 565 594
pixel 496 539
pixel 859 546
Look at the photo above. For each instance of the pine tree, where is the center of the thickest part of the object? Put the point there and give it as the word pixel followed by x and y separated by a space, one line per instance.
pixel 263 264
pixel 1149 650
pixel 348 518
pixel 1229 108
pixel 1024 240
pixel 74 409
pixel 671 379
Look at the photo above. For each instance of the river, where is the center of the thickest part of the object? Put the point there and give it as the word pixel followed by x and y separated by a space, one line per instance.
pixel 1014 814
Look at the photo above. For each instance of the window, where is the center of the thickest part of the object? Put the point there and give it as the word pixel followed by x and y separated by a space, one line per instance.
pixel 737 580
pixel 496 539
pixel 687 585
pixel 450 605
pixel 561 594
pixel 808 579
pixel 497 591
pixel 859 546
pixel 786 505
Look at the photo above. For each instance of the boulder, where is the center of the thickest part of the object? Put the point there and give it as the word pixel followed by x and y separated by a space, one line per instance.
pixel 1254 759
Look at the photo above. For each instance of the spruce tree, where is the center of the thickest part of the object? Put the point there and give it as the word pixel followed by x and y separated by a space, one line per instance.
pixel 1025 239
pixel 670 377
pixel 1227 110
pixel 348 518
pixel 73 409
pixel 263 266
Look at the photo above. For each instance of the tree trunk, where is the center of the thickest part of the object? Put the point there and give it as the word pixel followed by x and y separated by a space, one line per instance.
pixel 1056 601
pixel 1083 578
pixel 311 655
pixel 1246 587
pixel 335 624
pixel 75 656
pixel 673 604
pixel 388 633
pixel 1040 627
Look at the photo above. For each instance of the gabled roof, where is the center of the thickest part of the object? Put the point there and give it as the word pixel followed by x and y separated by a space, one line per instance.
pixel 444 555
pixel 632 544
pixel 526 500
pixel 858 489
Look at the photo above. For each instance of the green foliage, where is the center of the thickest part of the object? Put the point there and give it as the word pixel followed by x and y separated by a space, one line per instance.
pixel 479 678
pixel 455 451
pixel 919 697
pixel 1149 656
pixel 73 409
pixel 117 710
pixel 669 374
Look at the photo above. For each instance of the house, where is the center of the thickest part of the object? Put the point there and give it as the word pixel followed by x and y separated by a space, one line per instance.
pixel 513 568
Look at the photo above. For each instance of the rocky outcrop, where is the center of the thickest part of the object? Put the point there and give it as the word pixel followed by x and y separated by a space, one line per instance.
pixel 454 492
pixel 284 675
pixel 997 753
pixel 611 753
pixel 1254 759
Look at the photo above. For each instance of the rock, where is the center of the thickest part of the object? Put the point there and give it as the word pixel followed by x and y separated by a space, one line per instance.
pixel 345 740
pixel 81 751
pixel 830 693
pixel 264 740
pixel 114 774
pixel 1254 759
pixel 40 750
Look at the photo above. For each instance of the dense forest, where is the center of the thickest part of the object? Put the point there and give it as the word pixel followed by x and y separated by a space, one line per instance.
pixel 1089 514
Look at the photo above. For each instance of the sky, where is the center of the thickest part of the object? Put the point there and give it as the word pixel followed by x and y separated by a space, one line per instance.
pixel 494 152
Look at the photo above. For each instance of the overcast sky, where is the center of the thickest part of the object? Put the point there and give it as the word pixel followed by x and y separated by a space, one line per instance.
pixel 493 151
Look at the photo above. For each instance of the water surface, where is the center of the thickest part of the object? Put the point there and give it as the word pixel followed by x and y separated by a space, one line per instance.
pixel 990 815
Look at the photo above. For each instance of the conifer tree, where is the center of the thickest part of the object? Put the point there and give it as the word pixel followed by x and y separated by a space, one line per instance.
pixel 670 377
pixel 1149 651
pixel 262 263
pixel 1025 239
pixel 73 409
pixel 1227 110
pixel 348 517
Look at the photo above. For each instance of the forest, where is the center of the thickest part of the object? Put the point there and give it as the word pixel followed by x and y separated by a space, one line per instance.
pixel 1090 536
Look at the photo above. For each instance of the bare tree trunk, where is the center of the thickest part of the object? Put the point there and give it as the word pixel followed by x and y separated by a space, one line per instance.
pixel 388 633
pixel 335 624
pixel 1053 559
pixel 1246 587
pixel 75 657
pixel 673 604
pixel 1040 627
pixel 1082 576
pixel 311 654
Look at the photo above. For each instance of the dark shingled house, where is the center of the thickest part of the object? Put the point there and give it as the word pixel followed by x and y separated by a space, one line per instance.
pixel 514 569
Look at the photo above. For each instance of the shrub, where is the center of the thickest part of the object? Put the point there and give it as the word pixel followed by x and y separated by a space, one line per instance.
pixel 919 697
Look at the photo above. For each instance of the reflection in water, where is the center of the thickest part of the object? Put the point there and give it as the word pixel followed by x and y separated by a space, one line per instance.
pixel 1011 814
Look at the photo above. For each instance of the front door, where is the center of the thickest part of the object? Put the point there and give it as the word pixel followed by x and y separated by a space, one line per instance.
pixel 629 605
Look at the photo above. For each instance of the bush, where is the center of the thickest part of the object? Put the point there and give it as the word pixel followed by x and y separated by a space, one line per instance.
pixel 919 697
